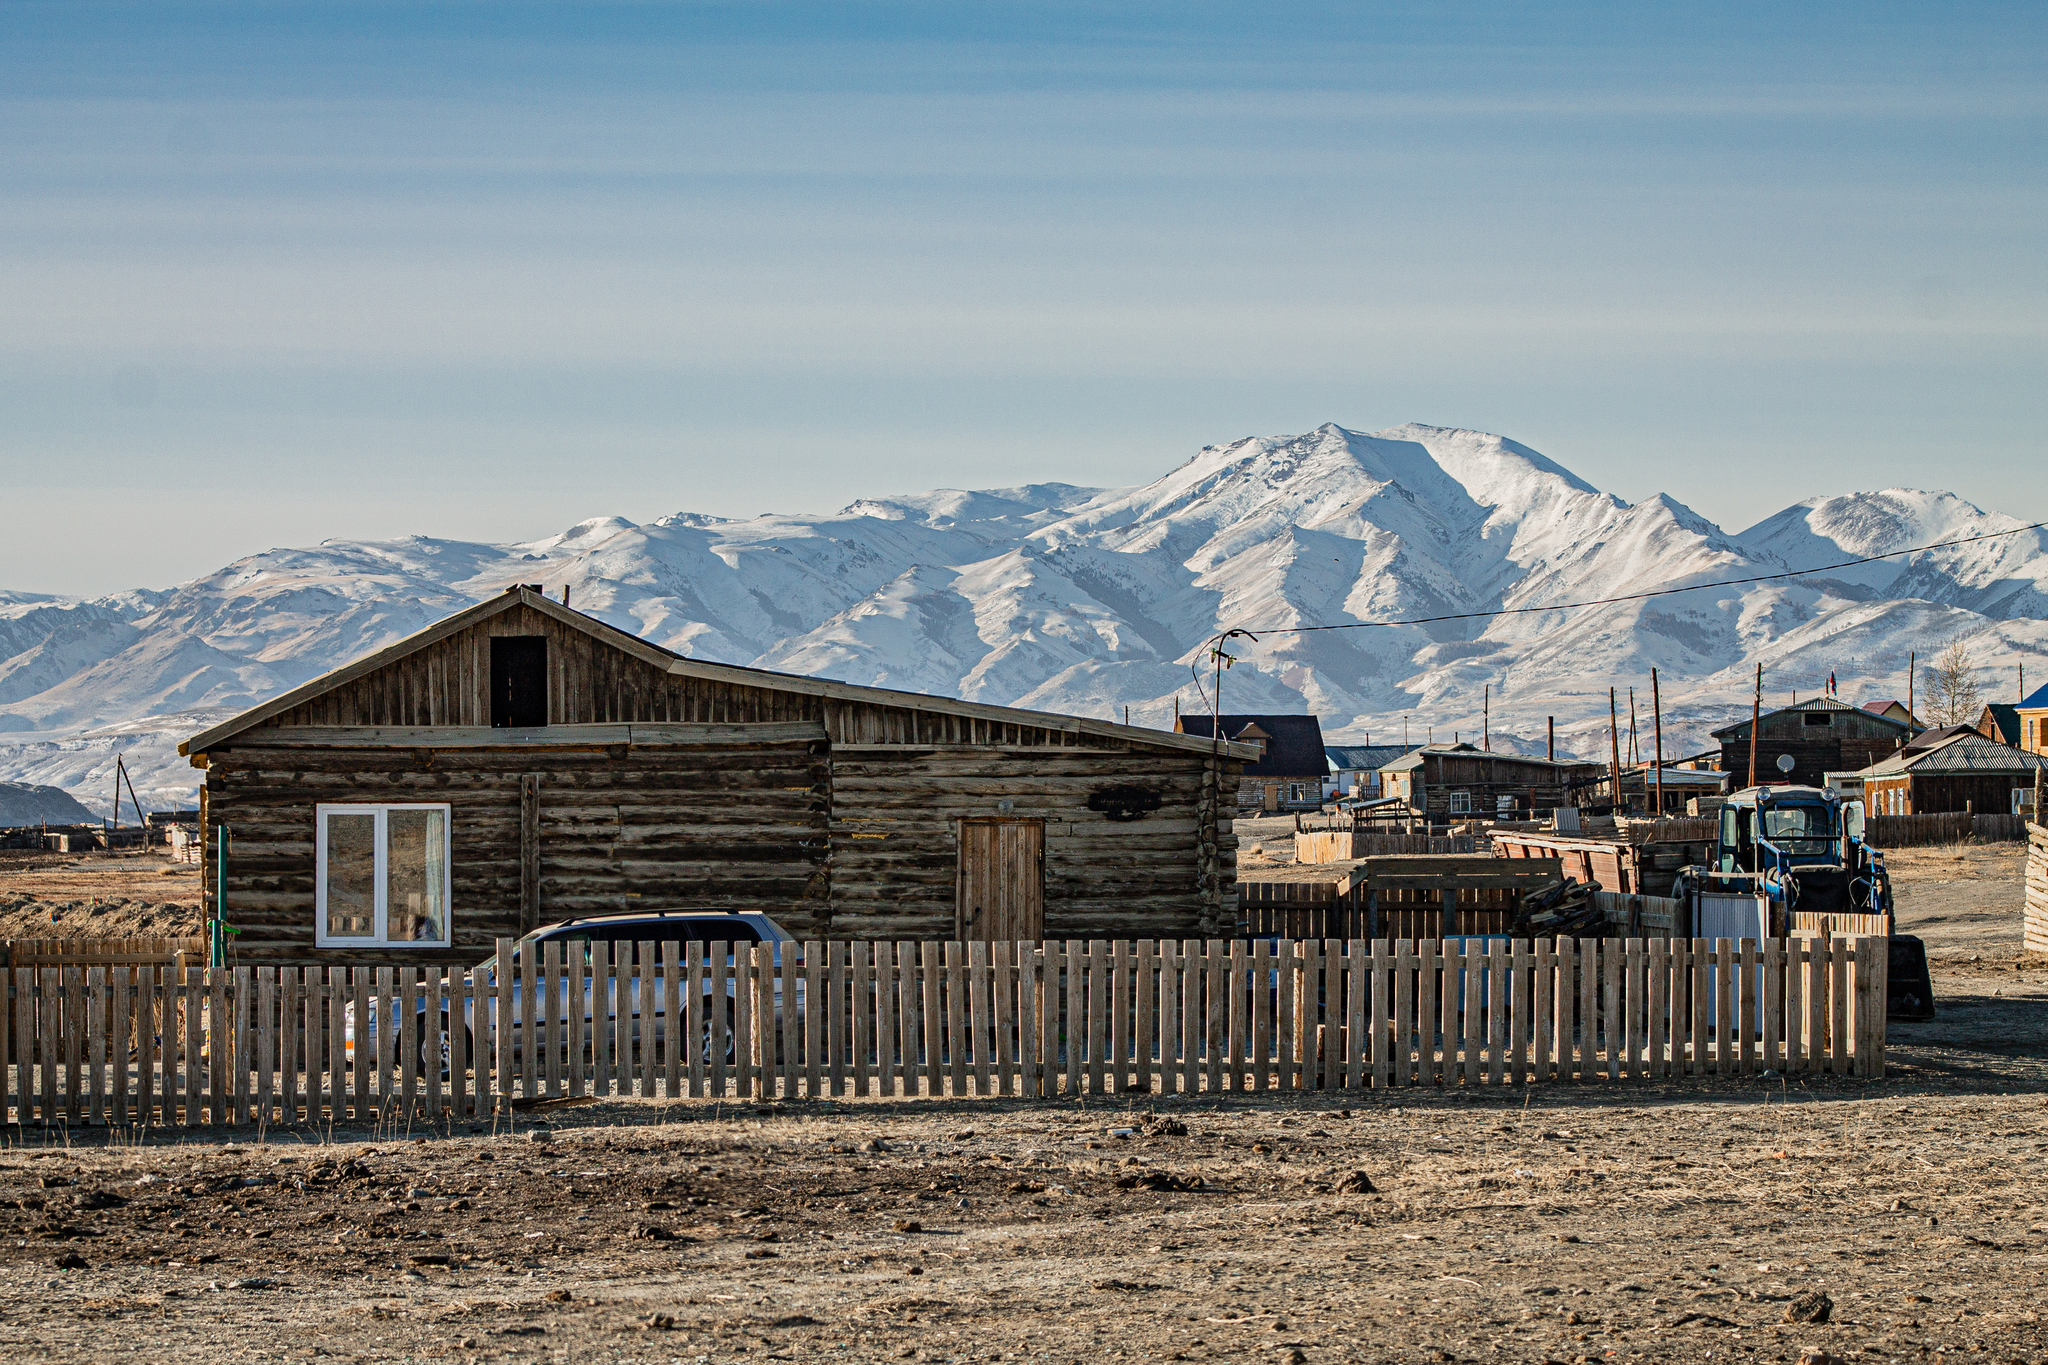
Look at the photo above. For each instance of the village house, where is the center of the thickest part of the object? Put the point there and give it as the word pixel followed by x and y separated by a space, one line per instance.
pixel 2002 723
pixel 2032 714
pixel 1951 770
pixel 1458 781
pixel 520 763
pixel 1890 708
pixel 1291 767
pixel 1355 768
pixel 1818 736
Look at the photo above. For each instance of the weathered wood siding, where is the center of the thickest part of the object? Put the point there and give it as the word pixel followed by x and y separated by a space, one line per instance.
pixel 589 683
pixel 730 827
pixel 895 839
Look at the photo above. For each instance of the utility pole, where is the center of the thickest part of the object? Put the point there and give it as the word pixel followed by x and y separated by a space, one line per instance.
pixel 1635 750
pixel 1550 745
pixel 1756 711
pixel 1614 748
pixel 1912 716
pixel 1657 725
pixel 1486 718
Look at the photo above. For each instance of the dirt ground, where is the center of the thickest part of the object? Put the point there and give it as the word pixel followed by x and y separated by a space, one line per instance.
pixel 105 895
pixel 1565 1223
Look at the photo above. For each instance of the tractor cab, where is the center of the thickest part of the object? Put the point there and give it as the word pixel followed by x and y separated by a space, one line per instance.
pixel 1803 847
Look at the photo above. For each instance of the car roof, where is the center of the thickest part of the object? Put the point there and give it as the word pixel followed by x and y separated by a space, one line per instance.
pixel 636 916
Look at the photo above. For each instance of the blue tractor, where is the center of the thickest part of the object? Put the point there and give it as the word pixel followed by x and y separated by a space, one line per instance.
pixel 1802 847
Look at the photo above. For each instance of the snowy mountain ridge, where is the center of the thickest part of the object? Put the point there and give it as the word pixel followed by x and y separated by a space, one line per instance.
pixel 1089 600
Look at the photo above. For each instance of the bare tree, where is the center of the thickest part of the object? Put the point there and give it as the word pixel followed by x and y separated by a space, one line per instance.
pixel 1952 697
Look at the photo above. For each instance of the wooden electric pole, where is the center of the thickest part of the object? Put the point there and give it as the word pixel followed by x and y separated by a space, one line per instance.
pixel 1614 747
pixel 1486 718
pixel 1912 716
pixel 1756 711
pixel 1657 727
pixel 1550 748
pixel 1635 750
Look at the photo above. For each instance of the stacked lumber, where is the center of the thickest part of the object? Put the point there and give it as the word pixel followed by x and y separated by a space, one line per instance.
pixel 2035 933
pixel 1563 909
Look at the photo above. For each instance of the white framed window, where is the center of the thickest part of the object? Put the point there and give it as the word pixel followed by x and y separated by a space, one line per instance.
pixel 1461 803
pixel 382 876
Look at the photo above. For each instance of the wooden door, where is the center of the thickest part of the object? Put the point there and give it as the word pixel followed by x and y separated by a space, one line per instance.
pixel 1001 893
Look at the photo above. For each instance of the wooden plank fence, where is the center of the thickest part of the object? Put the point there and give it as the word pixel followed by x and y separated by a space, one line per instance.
pixel 1345 844
pixel 2034 916
pixel 304 1045
pixel 1917 831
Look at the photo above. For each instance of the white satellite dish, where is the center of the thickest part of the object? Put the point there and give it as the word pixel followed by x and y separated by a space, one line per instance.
pixel 1785 763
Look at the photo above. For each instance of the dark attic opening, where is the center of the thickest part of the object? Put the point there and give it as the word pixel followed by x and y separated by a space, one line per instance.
pixel 519 680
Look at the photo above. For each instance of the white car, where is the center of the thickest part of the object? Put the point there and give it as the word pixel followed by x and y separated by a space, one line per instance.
pixel 576 936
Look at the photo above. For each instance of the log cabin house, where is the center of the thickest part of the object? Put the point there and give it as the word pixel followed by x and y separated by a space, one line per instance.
pixel 1951 770
pixel 520 763
pixel 1447 782
pixel 1818 736
pixel 1289 772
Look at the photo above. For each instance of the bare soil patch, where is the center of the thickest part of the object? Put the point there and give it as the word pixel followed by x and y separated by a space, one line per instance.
pixel 117 895
pixel 1574 1225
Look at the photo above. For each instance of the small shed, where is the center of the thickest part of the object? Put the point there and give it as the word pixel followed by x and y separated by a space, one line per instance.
pixel 1291 767
pixel 1958 771
pixel 1818 737
pixel 520 763
pixel 1456 781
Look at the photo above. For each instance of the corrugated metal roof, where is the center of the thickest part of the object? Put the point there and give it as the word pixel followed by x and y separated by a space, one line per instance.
pixel 1969 752
pixel 1364 757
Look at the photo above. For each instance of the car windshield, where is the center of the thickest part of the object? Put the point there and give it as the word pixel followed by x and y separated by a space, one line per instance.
pixel 1800 828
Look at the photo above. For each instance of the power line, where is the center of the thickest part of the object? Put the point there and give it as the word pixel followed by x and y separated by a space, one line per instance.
pixel 1654 592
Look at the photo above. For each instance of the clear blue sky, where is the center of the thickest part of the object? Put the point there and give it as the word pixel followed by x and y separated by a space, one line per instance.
pixel 273 273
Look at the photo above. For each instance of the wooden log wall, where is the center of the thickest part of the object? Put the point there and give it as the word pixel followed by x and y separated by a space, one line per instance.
pixel 895 838
pixel 711 827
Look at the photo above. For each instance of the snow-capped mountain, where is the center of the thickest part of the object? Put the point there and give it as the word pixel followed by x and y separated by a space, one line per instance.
pixel 1091 601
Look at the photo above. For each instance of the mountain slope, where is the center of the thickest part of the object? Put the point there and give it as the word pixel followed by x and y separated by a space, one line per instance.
pixel 1092 601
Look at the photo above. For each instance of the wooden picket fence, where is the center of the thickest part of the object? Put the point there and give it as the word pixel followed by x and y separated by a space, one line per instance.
pixel 280 1045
